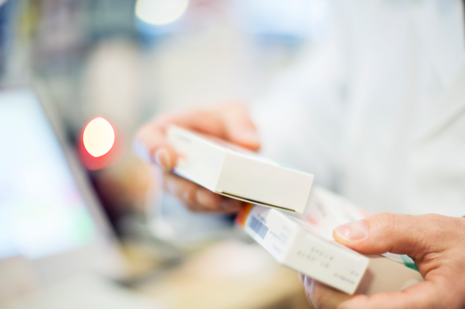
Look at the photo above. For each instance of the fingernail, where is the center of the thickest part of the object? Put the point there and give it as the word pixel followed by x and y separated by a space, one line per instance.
pixel 230 204
pixel 353 231
pixel 162 158
pixel 205 198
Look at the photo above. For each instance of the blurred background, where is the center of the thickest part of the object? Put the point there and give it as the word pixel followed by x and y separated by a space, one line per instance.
pixel 127 61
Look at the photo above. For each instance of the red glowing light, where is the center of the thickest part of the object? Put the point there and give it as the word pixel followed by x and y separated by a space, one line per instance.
pixel 98 137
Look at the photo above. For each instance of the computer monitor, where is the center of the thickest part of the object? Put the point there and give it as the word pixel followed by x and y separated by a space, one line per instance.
pixel 48 213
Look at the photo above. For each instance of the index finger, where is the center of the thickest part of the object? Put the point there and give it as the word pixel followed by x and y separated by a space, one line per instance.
pixel 151 143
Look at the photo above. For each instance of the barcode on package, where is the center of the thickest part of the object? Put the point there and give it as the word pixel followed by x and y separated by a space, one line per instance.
pixel 258 227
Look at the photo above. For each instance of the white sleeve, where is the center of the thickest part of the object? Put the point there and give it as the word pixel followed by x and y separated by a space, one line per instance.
pixel 299 119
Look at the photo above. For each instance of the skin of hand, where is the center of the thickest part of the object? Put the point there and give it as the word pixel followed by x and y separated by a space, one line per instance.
pixel 230 122
pixel 436 244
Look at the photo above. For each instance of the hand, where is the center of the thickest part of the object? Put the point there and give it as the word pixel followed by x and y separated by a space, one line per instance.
pixel 230 122
pixel 436 244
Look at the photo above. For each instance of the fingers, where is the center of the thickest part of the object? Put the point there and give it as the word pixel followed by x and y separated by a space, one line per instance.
pixel 239 128
pixel 197 198
pixel 230 122
pixel 151 145
pixel 402 234
pixel 322 296
pixel 151 138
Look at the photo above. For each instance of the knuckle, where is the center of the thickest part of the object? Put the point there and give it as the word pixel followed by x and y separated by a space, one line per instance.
pixel 440 225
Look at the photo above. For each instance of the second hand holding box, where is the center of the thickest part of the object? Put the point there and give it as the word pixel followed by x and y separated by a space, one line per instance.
pixel 238 173
pixel 305 243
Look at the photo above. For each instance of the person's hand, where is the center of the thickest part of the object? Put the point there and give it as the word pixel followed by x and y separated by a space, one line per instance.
pixel 436 244
pixel 230 122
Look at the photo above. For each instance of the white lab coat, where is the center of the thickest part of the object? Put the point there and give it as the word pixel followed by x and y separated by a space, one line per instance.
pixel 377 109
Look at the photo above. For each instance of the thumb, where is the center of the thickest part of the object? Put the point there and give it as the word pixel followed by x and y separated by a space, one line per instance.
pixel 239 127
pixel 386 232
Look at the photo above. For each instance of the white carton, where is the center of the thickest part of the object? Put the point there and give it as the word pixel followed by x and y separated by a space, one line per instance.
pixel 293 243
pixel 238 173
pixel 305 244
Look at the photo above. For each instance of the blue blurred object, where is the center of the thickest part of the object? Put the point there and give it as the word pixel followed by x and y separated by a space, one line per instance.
pixel 283 20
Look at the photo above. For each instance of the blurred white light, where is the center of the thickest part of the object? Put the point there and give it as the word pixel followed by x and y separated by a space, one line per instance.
pixel 160 12
pixel 98 137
